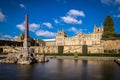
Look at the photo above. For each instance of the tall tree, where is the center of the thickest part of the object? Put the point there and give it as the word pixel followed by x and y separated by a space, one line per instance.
pixel 108 32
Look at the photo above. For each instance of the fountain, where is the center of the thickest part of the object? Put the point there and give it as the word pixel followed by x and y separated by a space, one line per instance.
pixel 26 54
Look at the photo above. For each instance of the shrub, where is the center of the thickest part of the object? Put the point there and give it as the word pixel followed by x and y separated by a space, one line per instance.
pixel 76 55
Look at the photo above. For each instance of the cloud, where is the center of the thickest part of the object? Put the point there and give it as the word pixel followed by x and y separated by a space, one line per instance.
pixel 71 20
pixel 7 37
pixel 2 17
pixel 15 37
pixel 22 6
pixel 72 17
pixel 56 21
pixel 48 39
pixel 21 26
pixel 117 1
pixel 118 16
pixel 74 12
pixel 32 27
pixel 73 29
pixel 49 25
pixel 45 33
pixel 108 2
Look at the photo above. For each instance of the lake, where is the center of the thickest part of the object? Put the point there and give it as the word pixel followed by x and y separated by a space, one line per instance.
pixel 62 69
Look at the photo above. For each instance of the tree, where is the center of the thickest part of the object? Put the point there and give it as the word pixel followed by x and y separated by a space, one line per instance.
pixel 60 49
pixel 108 32
pixel 84 49
pixel 75 55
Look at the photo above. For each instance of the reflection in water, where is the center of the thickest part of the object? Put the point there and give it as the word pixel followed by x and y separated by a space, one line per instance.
pixel 84 70
pixel 59 69
pixel 108 70
pixel 25 72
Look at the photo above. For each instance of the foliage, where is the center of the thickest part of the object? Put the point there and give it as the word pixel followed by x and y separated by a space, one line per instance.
pixel 60 49
pixel 1 50
pixel 84 49
pixel 76 55
pixel 108 32
pixel 32 42
pixel 10 43
pixel 112 51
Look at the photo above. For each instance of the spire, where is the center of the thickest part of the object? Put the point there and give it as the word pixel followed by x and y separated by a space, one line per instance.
pixel 26 42
pixel 26 27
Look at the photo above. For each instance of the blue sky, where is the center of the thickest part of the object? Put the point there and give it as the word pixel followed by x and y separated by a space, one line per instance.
pixel 46 17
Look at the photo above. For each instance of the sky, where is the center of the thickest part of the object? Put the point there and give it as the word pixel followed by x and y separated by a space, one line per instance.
pixel 46 17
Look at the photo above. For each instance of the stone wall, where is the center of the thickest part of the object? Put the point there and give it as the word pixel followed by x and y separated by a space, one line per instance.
pixel 72 49
pixel 110 45
pixel 37 49
pixel 105 45
pixel 95 49
pixel 46 49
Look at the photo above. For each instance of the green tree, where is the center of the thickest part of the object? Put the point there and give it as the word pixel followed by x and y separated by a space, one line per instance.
pixel 108 32
pixel 32 42
pixel 84 49
pixel 60 49
pixel 75 55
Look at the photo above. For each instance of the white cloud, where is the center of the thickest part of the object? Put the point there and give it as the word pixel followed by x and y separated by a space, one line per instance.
pixel 71 20
pixel 73 29
pixel 7 37
pixel 15 37
pixel 48 39
pixel 107 1
pixel 117 1
pixel 45 33
pixel 72 17
pixel 22 6
pixel 74 12
pixel 49 25
pixel 32 27
pixel 56 21
pixel 2 17
pixel 21 26
pixel 118 16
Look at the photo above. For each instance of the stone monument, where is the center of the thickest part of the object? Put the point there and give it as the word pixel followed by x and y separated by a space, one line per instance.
pixel 26 54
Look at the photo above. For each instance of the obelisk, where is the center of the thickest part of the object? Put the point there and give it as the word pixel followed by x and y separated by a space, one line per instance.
pixel 26 43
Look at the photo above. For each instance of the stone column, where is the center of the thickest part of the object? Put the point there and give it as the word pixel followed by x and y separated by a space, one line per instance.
pixel 26 27
pixel 26 43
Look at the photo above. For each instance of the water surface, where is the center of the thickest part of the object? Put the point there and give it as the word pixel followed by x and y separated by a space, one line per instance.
pixel 62 69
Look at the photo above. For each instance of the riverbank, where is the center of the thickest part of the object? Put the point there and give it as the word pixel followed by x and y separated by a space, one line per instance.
pixel 80 57
pixel 84 57
pixel 117 61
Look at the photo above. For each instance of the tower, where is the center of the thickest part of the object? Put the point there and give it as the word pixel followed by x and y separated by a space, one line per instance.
pixel 60 38
pixel 98 29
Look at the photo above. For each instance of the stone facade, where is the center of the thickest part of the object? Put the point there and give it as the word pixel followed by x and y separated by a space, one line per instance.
pixel 75 43
pixel 20 38
pixel 80 38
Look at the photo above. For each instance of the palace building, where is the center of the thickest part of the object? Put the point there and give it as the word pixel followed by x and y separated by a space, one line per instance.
pixel 75 43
